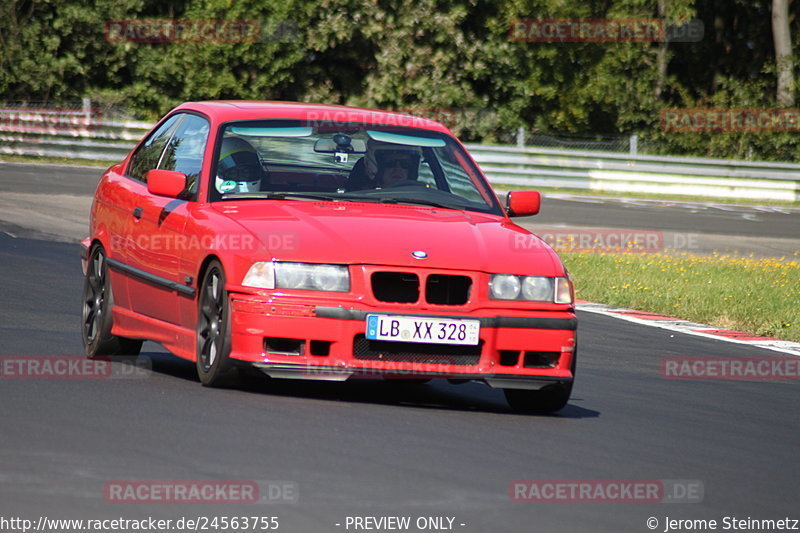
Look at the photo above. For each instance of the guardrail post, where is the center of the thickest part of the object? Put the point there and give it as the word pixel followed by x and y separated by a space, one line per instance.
pixel 634 144
pixel 521 137
pixel 87 109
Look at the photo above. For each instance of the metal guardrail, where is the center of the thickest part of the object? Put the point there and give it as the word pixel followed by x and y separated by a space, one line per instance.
pixel 71 134
pixel 82 134
pixel 615 172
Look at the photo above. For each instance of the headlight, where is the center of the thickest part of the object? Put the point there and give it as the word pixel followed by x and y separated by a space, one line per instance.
pixel 530 288
pixel 504 287
pixel 306 276
pixel 537 289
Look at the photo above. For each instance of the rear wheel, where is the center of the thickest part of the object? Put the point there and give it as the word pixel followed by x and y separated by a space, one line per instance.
pixel 213 328
pixel 96 314
pixel 549 399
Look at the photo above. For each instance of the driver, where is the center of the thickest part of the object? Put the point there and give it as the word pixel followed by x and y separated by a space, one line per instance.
pixel 385 165
pixel 396 165
pixel 239 168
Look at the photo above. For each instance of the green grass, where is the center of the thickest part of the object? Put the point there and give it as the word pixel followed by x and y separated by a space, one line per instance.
pixel 54 160
pixel 755 295
pixel 673 197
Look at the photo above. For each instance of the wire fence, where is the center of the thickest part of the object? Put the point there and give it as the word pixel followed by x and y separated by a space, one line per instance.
pixel 582 142
pixel 585 142
pixel 87 110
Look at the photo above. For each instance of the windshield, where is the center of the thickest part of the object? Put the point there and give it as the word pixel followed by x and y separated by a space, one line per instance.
pixel 347 162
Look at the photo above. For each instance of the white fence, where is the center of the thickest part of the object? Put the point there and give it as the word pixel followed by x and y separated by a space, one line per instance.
pixel 82 134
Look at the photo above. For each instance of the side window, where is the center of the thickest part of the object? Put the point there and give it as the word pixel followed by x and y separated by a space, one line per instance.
pixel 147 156
pixel 458 175
pixel 184 150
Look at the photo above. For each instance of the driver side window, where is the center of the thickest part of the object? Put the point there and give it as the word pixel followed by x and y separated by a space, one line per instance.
pixel 184 151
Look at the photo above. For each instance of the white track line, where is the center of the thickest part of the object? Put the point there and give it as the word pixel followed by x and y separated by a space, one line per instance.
pixel 690 328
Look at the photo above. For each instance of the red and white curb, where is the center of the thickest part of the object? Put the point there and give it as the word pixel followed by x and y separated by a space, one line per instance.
pixel 690 328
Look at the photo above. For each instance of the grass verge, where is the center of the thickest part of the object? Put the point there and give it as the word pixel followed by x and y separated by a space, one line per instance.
pixel 12 158
pixel 647 196
pixel 755 295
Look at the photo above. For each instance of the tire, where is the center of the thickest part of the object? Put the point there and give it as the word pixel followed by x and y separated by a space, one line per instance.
pixel 213 328
pixel 550 399
pixel 96 313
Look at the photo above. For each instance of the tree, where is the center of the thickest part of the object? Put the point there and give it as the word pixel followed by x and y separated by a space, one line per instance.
pixel 783 53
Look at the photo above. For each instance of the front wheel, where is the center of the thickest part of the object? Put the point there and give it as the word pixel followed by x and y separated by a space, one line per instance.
pixel 96 318
pixel 213 328
pixel 549 399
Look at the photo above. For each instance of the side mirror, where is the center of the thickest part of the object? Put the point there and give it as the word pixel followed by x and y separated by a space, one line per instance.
pixel 523 203
pixel 166 182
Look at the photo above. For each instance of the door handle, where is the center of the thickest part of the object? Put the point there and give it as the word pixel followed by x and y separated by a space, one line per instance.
pixel 137 213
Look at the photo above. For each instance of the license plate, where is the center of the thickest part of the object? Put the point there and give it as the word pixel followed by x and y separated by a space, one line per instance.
pixel 420 329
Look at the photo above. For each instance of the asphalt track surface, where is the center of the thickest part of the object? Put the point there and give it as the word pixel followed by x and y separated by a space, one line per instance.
pixel 368 448
pixel 701 217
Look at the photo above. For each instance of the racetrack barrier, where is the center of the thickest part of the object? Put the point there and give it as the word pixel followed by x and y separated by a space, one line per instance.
pixel 85 134
pixel 67 133
pixel 617 172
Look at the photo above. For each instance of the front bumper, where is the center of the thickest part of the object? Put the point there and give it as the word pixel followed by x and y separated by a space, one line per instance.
pixel 288 337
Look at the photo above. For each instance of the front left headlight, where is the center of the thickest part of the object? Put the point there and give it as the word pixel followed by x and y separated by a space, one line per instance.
pixel 530 288
pixel 304 276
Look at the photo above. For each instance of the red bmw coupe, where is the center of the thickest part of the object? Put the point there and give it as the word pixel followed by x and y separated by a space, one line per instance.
pixel 324 242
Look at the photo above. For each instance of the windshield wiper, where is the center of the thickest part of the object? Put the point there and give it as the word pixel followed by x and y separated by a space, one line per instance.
pixel 287 195
pixel 335 197
pixel 418 201
pixel 290 195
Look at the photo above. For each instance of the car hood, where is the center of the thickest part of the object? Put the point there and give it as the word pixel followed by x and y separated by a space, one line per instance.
pixel 384 234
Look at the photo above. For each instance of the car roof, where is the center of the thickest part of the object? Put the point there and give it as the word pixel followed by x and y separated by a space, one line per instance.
pixel 227 110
